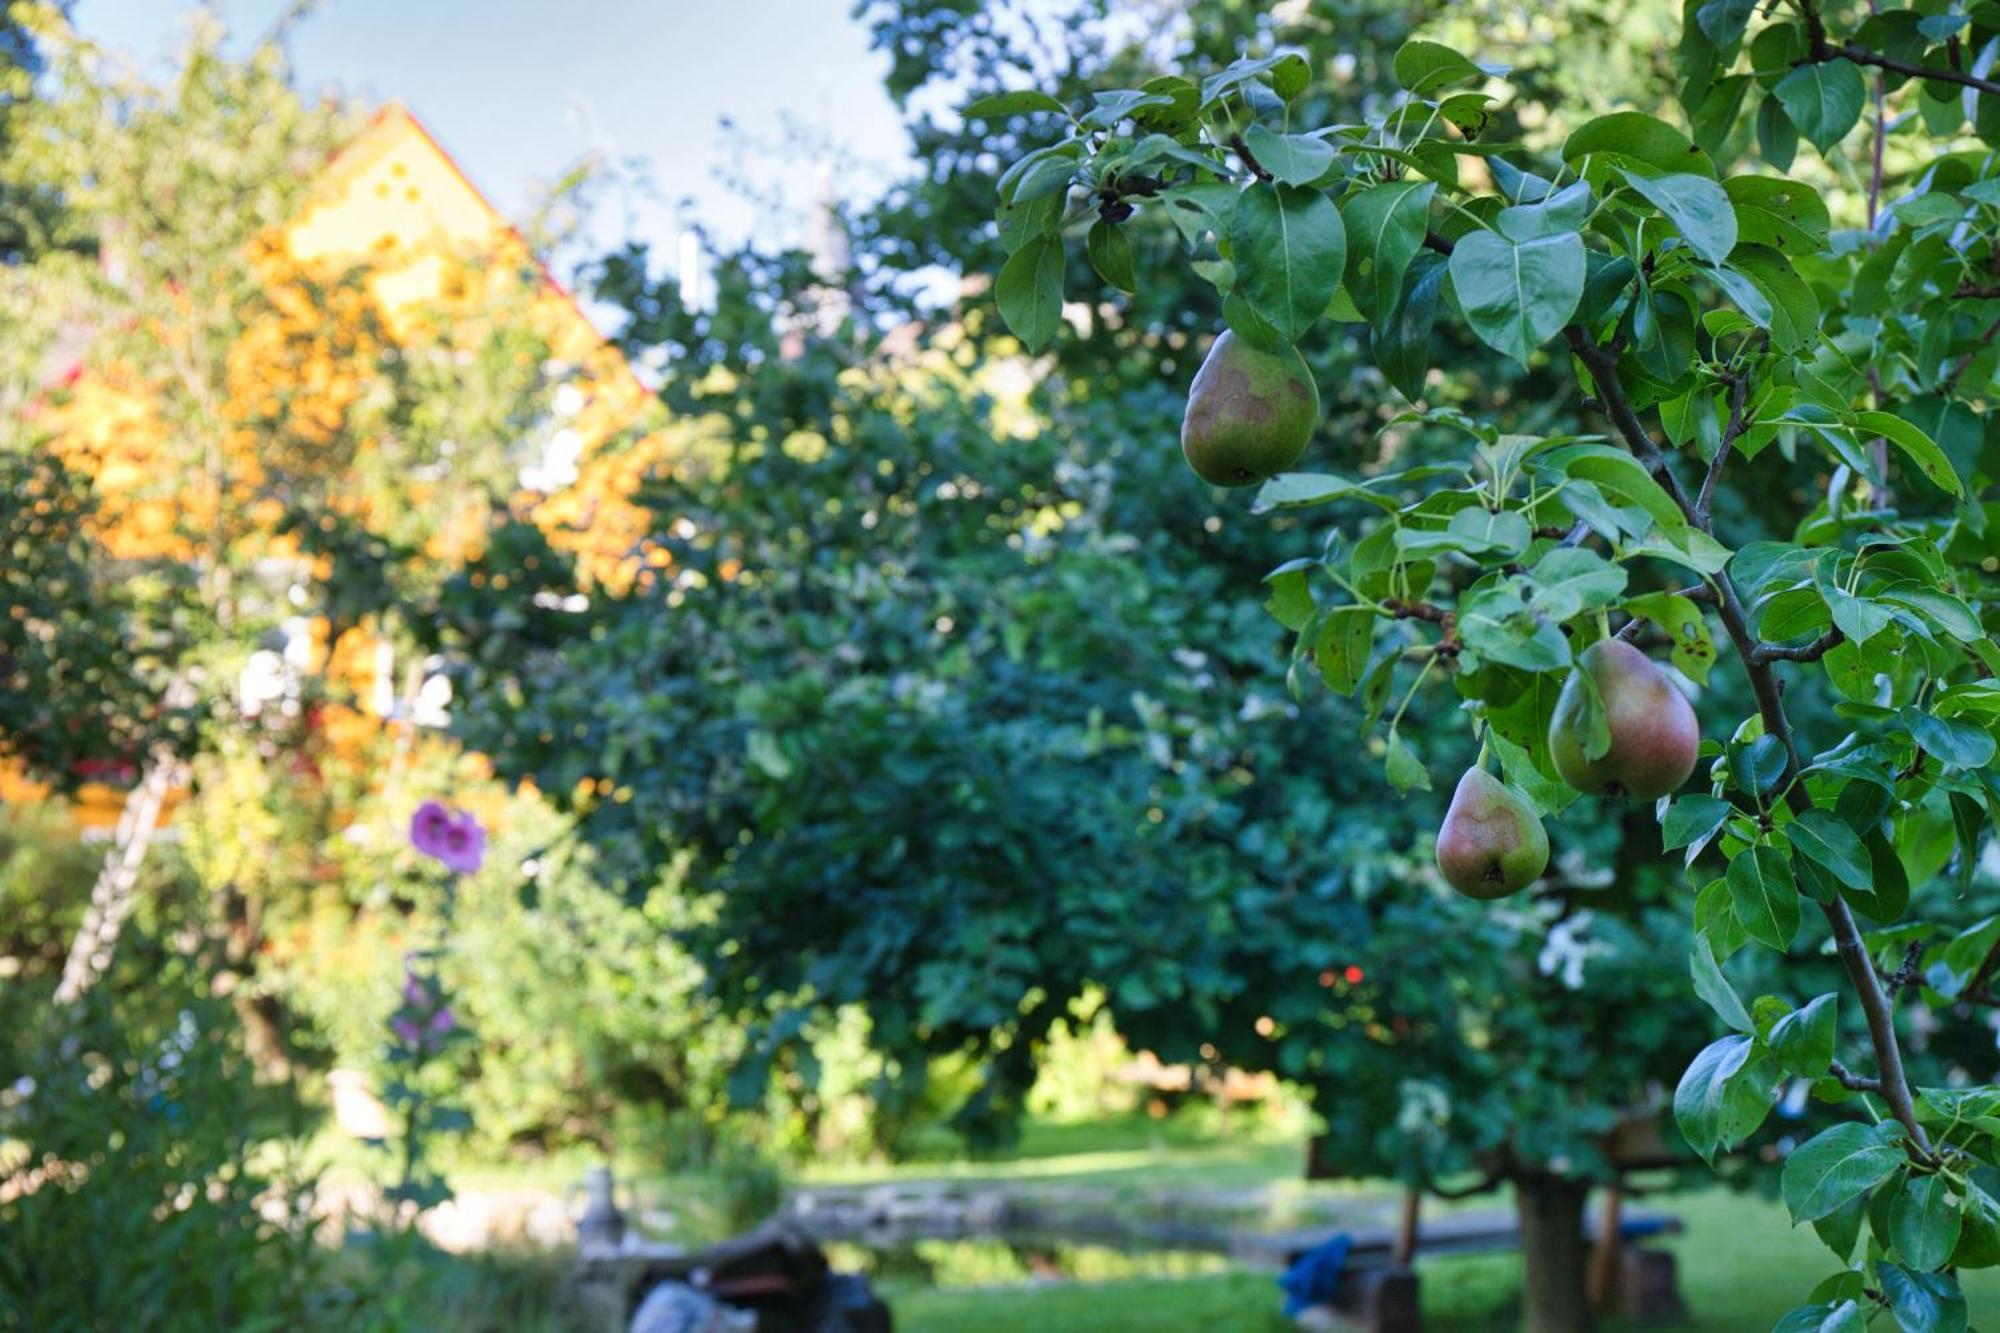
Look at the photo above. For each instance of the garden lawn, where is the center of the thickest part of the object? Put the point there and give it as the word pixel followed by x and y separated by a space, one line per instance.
pixel 1741 1268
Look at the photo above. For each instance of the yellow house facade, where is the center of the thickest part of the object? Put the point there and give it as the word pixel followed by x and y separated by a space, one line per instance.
pixel 394 206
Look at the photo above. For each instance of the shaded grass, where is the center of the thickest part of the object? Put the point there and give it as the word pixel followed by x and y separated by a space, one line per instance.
pixel 1742 1266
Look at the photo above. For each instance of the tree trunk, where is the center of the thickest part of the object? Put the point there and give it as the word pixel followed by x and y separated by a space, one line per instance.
pixel 1554 1293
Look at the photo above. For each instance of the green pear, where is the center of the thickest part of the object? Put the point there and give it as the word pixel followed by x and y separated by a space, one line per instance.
pixel 1249 413
pixel 1491 844
pixel 1654 736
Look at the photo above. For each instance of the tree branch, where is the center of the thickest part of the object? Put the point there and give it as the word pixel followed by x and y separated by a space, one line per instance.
pixel 1852 1081
pixel 1739 398
pixel 1861 55
pixel 1819 50
pixel 1808 652
pixel 1601 364
pixel 1248 158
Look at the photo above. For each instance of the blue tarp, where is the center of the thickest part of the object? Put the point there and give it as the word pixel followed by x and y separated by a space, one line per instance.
pixel 1313 1277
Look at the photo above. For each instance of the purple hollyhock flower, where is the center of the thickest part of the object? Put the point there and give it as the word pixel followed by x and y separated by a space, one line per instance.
pixel 415 992
pixel 406 1031
pixel 429 827
pixel 464 848
pixel 453 838
pixel 442 1021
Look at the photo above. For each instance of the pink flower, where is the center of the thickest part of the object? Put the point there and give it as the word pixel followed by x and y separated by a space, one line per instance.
pixel 442 1021
pixel 415 992
pixel 406 1031
pixel 454 839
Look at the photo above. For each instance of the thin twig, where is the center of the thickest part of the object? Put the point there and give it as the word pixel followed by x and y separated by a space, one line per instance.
pixel 1739 398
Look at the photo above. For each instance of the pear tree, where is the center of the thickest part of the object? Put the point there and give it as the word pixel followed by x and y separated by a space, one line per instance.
pixel 1790 491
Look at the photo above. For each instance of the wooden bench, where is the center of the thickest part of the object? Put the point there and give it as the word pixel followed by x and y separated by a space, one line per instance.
pixel 1378 1290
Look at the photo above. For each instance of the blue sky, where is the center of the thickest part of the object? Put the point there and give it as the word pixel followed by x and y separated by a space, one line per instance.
pixel 517 90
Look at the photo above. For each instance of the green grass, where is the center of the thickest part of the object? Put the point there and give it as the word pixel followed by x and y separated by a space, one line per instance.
pixel 1742 1267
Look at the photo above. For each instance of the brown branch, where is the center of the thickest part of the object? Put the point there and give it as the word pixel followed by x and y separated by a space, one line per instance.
pixel 1861 55
pixel 1819 49
pixel 1907 972
pixel 1852 1081
pixel 1444 245
pixel 1601 363
pixel 1447 645
pixel 1248 158
pixel 1739 398
pixel 1808 652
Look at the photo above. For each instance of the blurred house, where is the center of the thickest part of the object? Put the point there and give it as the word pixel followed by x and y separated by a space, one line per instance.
pixel 393 206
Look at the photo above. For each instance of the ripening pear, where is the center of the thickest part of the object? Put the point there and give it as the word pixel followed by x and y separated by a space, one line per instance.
pixel 1491 843
pixel 1654 736
pixel 1249 413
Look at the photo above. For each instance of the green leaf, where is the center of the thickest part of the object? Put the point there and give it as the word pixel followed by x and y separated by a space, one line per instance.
pixel 1723 21
pixel 1777 137
pixel 1714 988
pixel 1692 821
pixel 1400 343
pixel 1291 600
pixel 1693 651
pixel 1290 490
pixel 1406 772
pixel 1340 651
pixel 1636 141
pixel 1787 215
pixel 1922 1302
pixel 1764 895
pixel 1385 230
pixel 1481 531
pixel 1802 1041
pixel 1924 1222
pixel 1696 206
pixel 1517 294
pixel 1497 624
pixel 1110 252
pixel 1013 104
pixel 1570 580
pixel 1424 67
pixel 1295 159
pixel 1724 1095
pixel 1889 894
pixel 1919 448
pixel 1823 99
pixel 1958 744
pixel 1839 1230
pixel 1290 249
pixel 1838 1164
pixel 1979 1239
pixel 1794 313
pixel 1822 837
pixel 1030 291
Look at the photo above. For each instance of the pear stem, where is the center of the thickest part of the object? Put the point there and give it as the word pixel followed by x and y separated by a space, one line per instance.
pixel 1601 363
